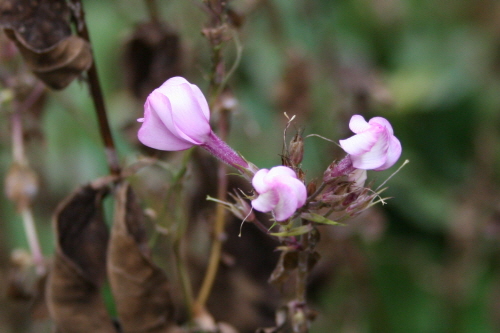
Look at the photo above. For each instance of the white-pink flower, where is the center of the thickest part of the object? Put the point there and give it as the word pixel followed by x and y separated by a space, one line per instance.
pixel 279 191
pixel 176 117
pixel 374 147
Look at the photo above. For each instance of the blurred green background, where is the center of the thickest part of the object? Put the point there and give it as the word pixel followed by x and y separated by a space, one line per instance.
pixel 428 261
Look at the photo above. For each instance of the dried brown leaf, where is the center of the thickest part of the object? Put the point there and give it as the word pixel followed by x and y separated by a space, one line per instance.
pixel 60 65
pixel 40 24
pixel 287 262
pixel 73 289
pixel 140 288
pixel 41 30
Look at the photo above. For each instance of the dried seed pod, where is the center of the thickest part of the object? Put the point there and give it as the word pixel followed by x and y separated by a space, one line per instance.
pixel 21 184
pixel 152 55
pixel 296 150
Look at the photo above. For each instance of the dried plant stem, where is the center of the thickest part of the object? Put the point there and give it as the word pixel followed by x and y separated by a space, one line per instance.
pixel 300 317
pixel 178 243
pixel 97 96
pixel 23 205
pixel 152 10
pixel 218 232
pixel 34 244
pixel 217 10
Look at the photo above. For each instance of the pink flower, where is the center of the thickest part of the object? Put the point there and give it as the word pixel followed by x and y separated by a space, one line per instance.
pixel 177 117
pixel 279 191
pixel 374 147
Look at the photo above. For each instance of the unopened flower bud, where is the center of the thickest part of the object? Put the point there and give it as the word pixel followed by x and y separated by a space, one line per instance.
pixel 360 204
pixel 241 208
pixel 296 150
pixel 21 184
pixel 342 168
pixel 311 188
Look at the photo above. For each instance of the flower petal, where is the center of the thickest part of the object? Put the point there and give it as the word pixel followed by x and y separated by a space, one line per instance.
pixel 281 171
pixel 259 181
pixel 153 132
pixel 287 204
pixel 358 124
pixel 266 201
pixel 393 154
pixel 382 122
pixel 375 157
pixel 189 110
pixel 359 144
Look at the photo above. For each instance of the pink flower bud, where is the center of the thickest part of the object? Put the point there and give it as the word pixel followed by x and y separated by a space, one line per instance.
pixel 176 117
pixel 279 191
pixel 374 147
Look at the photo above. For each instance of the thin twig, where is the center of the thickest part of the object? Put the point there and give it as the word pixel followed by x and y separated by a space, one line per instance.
pixel 97 96
pixel 217 8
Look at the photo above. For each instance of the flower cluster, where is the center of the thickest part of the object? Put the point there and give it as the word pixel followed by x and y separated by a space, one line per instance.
pixel 177 117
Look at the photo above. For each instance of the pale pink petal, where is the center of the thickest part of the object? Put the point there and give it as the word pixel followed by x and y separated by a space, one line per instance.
pixel 160 104
pixel 287 204
pixel 153 133
pixel 358 124
pixel 202 101
pixel 188 114
pixel 375 157
pixel 266 201
pixel 358 176
pixel 280 171
pixel 359 144
pixel 382 122
pixel 300 191
pixel 259 181
pixel 393 154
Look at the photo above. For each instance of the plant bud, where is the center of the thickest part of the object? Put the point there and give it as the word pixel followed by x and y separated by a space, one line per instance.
pixel 342 168
pixel 296 150
pixel 21 184
pixel 311 188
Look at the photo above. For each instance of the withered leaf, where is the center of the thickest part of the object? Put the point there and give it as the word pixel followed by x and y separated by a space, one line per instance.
pixel 39 24
pixel 60 65
pixel 287 262
pixel 42 33
pixel 73 288
pixel 139 287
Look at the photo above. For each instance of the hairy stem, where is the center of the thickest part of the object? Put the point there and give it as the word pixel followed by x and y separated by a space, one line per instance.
pixel 34 244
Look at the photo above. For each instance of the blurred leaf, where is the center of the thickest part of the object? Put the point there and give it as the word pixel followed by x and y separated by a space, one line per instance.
pixel 60 65
pixel 38 24
pixel 140 288
pixel 73 291
pixel 287 262
pixel 294 231
pixel 42 32
pixel 319 219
